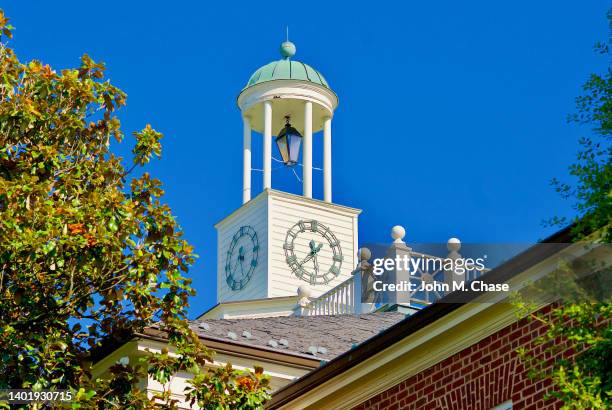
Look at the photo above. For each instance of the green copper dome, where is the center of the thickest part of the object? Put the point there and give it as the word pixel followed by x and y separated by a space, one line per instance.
pixel 287 69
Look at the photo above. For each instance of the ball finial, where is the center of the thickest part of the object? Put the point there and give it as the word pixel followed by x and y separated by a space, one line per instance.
pixel 453 244
pixel 397 233
pixel 303 291
pixel 364 254
pixel 287 49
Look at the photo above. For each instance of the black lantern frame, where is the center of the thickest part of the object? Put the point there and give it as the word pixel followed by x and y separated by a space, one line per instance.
pixel 288 142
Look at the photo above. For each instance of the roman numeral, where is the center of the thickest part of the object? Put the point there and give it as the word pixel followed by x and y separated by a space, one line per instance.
pixel 313 225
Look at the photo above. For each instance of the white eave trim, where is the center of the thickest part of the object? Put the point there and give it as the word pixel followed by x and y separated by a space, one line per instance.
pixel 294 89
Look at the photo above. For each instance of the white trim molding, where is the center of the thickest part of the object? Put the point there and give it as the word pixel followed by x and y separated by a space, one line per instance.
pixel 294 89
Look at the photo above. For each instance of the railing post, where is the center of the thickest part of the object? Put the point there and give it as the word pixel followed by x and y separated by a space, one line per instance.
pixel 360 290
pixel 451 276
pixel 399 251
pixel 302 307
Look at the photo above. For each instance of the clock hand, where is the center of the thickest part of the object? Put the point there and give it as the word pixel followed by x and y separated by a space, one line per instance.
pixel 314 248
pixel 235 264
pixel 306 259
pixel 316 264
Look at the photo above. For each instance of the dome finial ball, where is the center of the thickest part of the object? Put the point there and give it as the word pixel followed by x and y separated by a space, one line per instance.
pixel 287 49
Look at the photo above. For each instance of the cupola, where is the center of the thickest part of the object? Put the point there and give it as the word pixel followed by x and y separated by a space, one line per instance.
pixel 287 92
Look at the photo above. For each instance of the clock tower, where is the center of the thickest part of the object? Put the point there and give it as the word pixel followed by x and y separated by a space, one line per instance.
pixel 277 242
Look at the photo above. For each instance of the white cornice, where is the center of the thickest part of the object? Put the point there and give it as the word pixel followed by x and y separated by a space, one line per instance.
pixel 260 197
pixel 294 89
pixel 315 203
pixel 244 308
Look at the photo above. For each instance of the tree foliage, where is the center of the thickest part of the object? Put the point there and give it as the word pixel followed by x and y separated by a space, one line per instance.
pixel 88 251
pixel 583 379
pixel 592 172
pixel 575 349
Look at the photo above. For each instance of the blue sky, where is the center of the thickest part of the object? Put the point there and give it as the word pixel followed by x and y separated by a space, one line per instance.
pixel 452 115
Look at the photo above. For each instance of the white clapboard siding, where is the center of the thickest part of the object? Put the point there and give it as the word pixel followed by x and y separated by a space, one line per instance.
pixel 254 214
pixel 272 214
pixel 285 210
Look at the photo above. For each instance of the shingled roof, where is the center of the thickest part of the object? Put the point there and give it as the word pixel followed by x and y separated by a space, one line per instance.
pixel 321 337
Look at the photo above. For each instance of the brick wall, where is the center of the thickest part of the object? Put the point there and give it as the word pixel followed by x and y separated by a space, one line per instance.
pixel 479 377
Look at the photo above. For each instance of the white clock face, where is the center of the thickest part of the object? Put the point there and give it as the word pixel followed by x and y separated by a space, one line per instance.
pixel 313 252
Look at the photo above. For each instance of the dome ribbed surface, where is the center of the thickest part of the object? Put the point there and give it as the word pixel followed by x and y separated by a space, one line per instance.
pixel 287 70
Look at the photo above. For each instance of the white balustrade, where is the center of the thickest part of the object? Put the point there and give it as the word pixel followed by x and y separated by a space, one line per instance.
pixel 337 301
pixel 345 298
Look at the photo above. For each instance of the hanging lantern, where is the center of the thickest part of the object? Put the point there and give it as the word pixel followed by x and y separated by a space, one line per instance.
pixel 288 142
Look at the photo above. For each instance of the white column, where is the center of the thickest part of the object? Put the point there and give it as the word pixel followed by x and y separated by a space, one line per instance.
pixel 246 160
pixel 327 161
pixel 267 145
pixel 307 155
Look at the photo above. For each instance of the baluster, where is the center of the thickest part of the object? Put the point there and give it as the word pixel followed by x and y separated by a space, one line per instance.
pixel 333 302
pixel 337 302
pixel 352 295
pixel 347 297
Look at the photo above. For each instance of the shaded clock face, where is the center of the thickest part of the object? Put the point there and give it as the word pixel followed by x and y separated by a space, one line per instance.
pixel 241 259
pixel 313 252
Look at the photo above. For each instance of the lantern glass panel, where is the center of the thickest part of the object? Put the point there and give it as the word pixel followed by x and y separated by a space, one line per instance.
pixel 288 142
pixel 281 142
pixel 294 148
